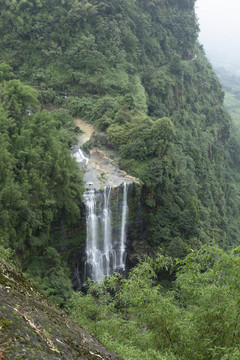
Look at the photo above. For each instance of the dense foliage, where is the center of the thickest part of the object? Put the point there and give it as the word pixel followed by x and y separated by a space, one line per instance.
pixel 92 45
pixel 198 318
pixel 39 182
pixel 133 68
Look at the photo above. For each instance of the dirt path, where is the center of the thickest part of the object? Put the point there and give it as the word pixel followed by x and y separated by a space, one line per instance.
pixel 87 130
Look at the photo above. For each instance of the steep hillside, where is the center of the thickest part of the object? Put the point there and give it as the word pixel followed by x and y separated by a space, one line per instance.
pixel 33 328
pixel 134 69
pixel 94 46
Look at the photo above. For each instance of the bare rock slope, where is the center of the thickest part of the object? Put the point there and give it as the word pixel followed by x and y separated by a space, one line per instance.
pixel 33 328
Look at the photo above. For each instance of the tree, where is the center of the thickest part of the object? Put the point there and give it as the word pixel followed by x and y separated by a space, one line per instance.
pixel 139 317
pixel 17 98
pixel 5 72
pixel 162 136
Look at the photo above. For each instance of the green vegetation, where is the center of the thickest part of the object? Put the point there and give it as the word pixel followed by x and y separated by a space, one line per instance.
pixel 197 318
pixel 92 46
pixel 135 71
pixel 231 87
pixel 132 68
pixel 39 184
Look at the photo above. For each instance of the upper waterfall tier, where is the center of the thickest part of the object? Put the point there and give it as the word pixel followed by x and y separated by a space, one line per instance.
pixel 101 167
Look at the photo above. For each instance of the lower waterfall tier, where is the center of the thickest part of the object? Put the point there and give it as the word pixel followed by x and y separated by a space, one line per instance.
pixel 106 217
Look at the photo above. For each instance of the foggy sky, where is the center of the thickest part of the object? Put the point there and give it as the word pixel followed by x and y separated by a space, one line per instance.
pixel 220 30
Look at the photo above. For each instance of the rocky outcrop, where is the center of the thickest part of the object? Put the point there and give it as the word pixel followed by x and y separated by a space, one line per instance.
pixel 33 328
pixel 101 168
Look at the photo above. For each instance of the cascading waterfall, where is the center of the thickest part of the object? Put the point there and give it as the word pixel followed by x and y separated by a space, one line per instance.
pixel 105 253
pixel 92 251
pixel 106 211
pixel 123 228
pixel 108 251
pixel 80 157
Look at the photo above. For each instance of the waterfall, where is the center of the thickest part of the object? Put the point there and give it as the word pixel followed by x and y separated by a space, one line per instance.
pixel 107 232
pixel 78 154
pixel 105 253
pixel 94 259
pixel 123 228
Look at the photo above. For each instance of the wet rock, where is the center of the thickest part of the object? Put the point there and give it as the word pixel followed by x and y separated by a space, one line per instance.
pixel 100 138
pixel 101 165
pixel 139 249
pixel 34 328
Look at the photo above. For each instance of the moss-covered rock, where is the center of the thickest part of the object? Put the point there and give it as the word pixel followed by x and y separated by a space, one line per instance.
pixel 33 328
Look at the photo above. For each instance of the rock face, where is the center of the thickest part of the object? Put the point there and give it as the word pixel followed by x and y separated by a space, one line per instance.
pixel 101 168
pixel 33 328
pixel 106 200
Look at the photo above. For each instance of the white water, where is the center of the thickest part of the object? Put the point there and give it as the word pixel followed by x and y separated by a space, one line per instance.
pixel 107 232
pixel 104 253
pixel 123 228
pixel 92 251
pixel 80 157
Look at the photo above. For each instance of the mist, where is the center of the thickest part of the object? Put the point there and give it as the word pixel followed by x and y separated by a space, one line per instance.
pixel 219 31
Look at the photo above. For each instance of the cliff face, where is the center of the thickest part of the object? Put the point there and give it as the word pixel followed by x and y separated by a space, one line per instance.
pixel 33 328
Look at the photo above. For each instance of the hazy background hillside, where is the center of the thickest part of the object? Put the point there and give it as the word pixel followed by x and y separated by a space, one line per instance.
pixel 219 32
